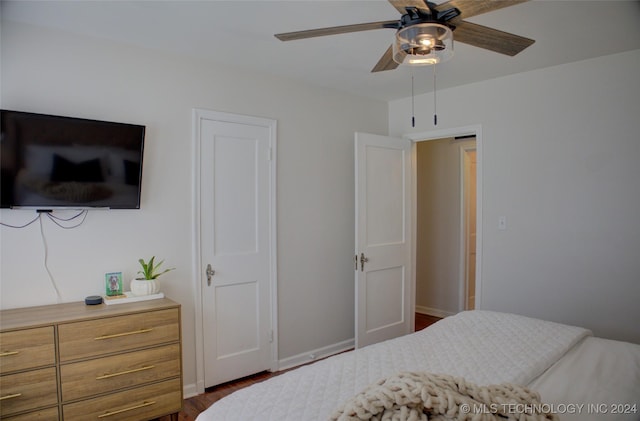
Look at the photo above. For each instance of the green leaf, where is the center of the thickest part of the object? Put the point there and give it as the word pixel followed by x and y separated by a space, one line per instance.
pixel 151 271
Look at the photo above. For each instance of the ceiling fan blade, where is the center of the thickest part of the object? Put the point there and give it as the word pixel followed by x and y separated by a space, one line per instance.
pixel 386 62
pixel 469 8
pixel 334 30
pixel 489 38
pixel 401 5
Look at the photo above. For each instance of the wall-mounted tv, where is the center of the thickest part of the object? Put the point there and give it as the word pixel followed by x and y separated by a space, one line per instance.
pixel 53 162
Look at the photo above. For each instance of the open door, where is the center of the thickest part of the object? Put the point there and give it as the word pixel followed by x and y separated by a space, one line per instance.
pixel 384 283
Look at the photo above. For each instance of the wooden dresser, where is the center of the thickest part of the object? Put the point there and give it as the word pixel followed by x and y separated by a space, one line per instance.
pixel 71 361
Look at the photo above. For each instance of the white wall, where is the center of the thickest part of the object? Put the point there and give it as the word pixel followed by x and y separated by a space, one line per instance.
pixel 560 157
pixel 58 73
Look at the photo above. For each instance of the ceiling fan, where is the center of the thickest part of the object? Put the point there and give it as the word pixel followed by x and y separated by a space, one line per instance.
pixel 424 31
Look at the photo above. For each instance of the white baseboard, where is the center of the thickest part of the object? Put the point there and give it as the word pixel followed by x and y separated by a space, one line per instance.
pixel 315 354
pixel 433 311
pixel 189 391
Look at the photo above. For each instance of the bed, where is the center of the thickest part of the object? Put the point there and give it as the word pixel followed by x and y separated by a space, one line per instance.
pixel 577 376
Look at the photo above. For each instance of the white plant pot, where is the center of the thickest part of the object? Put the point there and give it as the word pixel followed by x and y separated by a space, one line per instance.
pixel 141 287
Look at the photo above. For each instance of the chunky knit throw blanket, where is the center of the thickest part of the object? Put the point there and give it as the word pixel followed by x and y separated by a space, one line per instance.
pixel 424 396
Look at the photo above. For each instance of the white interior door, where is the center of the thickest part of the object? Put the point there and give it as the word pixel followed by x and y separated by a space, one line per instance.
pixel 236 246
pixel 384 285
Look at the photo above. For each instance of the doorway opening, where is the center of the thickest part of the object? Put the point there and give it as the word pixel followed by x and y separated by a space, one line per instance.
pixel 446 214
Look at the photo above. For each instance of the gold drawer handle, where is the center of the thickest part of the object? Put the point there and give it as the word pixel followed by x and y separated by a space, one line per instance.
pixel 135 370
pixel 15 395
pixel 8 353
pixel 131 408
pixel 118 335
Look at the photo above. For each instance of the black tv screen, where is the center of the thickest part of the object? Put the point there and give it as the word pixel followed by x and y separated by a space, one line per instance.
pixel 52 162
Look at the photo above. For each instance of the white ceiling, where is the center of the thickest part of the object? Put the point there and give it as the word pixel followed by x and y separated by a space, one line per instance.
pixel 241 33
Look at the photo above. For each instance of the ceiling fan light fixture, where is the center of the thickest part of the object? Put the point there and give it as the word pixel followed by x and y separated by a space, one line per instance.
pixel 423 44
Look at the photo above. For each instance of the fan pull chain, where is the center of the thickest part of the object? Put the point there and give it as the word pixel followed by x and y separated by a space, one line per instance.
pixel 413 103
pixel 435 103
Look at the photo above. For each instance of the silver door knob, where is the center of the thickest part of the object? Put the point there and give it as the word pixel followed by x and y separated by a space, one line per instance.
pixel 363 260
pixel 210 272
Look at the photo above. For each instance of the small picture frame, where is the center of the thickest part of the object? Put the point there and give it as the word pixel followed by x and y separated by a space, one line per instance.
pixel 113 283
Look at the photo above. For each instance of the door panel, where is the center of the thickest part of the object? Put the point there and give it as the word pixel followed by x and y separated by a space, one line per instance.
pixel 237 331
pixel 236 242
pixel 384 224
pixel 383 238
pixel 236 188
pixel 384 292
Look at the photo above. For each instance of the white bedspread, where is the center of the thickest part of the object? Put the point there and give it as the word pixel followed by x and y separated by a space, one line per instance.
pixel 483 347
pixel 597 380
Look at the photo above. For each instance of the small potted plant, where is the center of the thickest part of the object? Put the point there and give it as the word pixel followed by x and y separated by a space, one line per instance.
pixel 147 283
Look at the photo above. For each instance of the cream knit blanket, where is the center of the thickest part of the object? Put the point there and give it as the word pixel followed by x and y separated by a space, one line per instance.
pixel 414 396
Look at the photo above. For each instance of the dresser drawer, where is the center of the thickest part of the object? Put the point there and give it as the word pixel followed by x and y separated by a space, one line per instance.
pixel 49 414
pixel 28 390
pixel 106 374
pixel 117 334
pixel 24 349
pixel 143 403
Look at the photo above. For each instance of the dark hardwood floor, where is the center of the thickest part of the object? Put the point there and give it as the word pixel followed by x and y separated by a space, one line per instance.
pixel 424 320
pixel 197 404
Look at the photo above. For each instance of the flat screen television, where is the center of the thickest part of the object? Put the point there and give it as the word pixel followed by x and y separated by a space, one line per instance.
pixel 53 162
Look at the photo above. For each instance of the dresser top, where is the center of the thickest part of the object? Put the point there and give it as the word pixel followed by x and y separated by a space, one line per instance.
pixel 28 317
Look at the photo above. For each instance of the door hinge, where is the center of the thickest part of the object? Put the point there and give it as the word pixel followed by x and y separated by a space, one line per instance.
pixel 271 336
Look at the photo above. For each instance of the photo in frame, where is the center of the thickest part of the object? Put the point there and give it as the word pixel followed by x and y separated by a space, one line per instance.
pixel 113 283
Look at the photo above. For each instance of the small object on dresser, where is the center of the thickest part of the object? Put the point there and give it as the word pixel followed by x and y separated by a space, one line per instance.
pixel 113 283
pixel 128 297
pixel 93 300
pixel 147 283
